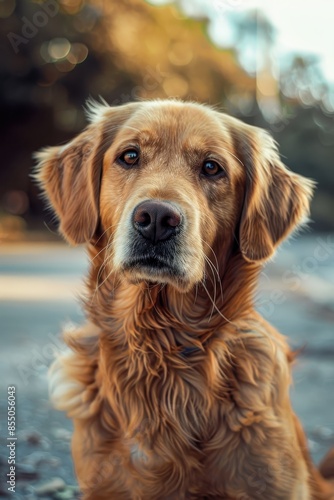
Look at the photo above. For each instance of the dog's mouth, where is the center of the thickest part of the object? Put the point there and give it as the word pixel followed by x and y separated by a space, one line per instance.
pixel 155 269
pixel 163 263
pixel 152 266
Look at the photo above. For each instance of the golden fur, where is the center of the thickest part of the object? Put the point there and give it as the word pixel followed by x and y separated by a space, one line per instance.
pixel 178 389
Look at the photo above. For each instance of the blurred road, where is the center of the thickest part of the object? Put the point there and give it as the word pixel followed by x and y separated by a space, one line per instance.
pixel 38 288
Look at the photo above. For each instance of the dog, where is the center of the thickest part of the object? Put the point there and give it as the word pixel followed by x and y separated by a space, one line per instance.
pixel 177 387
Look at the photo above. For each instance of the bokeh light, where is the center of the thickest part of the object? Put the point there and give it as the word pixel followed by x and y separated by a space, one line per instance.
pixel 58 48
pixel 16 202
pixel 7 8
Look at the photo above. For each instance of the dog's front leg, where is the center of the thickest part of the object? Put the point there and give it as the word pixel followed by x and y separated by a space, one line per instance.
pixel 247 465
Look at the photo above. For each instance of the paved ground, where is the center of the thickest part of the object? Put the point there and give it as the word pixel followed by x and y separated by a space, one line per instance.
pixel 38 285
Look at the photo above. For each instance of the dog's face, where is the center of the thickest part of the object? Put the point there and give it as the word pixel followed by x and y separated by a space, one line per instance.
pixel 165 181
pixel 168 186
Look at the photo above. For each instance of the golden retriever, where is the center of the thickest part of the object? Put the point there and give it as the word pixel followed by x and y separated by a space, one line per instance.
pixel 178 389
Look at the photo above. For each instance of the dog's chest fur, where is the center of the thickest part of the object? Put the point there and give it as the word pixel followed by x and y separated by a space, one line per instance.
pixel 163 414
pixel 173 406
pixel 165 420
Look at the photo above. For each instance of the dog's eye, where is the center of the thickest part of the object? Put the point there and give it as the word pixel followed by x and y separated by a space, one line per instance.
pixel 129 158
pixel 211 168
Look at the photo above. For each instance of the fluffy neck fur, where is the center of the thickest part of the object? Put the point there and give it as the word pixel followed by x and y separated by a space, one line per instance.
pixel 161 320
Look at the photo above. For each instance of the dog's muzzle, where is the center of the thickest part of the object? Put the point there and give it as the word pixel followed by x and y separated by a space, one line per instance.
pixel 155 241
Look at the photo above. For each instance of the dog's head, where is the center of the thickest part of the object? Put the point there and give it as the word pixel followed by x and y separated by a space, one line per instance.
pixel 164 181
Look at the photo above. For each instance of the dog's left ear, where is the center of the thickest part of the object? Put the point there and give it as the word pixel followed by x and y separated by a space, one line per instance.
pixel 276 200
pixel 70 175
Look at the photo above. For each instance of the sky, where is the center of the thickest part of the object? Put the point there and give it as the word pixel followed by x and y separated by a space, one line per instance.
pixel 302 26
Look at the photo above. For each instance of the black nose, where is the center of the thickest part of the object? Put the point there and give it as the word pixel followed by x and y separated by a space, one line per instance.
pixel 156 220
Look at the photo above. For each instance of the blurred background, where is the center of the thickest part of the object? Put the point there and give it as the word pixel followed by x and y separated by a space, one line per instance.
pixel 270 64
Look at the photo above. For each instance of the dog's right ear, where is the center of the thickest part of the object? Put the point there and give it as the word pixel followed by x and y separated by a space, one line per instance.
pixel 70 175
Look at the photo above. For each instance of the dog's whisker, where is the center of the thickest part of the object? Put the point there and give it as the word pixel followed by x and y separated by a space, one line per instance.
pixel 108 244
pixel 106 279
pixel 104 232
pixel 99 274
pixel 216 269
pixel 213 283
pixel 214 305
pixel 106 259
pixel 196 293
